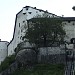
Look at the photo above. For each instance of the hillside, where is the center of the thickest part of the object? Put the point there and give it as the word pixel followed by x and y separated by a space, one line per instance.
pixel 42 69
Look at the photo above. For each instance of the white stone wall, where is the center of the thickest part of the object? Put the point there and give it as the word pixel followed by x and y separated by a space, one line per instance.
pixel 3 50
pixel 51 51
pixel 10 48
pixel 21 26
pixel 70 30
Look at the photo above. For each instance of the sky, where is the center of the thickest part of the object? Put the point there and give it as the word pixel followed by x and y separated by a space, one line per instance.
pixel 9 9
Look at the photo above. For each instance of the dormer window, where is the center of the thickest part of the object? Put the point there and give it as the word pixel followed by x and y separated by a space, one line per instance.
pixel 29 12
pixel 34 7
pixel 26 8
pixel 40 10
pixel 46 11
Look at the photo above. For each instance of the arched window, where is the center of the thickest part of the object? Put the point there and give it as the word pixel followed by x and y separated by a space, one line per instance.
pixel 72 41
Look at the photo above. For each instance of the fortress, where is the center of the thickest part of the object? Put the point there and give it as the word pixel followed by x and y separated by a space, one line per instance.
pixel 28 12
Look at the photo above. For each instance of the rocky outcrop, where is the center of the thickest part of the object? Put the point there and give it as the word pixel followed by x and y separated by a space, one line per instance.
pixel 26 57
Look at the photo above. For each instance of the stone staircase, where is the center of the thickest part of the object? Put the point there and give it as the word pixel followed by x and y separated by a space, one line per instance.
pixel 70 64
pixel 69 70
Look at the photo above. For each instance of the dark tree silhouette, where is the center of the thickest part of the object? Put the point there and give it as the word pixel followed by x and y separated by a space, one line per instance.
pixel 44 29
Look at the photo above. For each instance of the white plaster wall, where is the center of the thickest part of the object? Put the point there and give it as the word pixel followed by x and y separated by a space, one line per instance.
pixel 50 50
pixel 3 50
pixel 11 48
pixel 17 35
pixel 70 30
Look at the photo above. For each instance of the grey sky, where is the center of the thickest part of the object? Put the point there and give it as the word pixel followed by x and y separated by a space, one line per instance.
pixel 9 9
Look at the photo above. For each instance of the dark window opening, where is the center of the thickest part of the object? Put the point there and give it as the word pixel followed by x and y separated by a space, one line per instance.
pixel 73 23
pixel 26 8
pixel 72 40
pixel 21 37
pixel 68 21
pixel 19 24
pixel 40 10
pixel 21 30
pixel 29 12
pixel 24 13
pixel 23 21
pixel 34 7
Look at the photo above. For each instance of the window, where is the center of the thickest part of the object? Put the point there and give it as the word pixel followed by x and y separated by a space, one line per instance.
pixel 49 16
pixel 73 23
pixel 21 30
pixel 36 11
pixel 19 24
pixel 21 37
pixel 23 21
pixel 40 10
pixel 68 21
pixel 29 12
pixel 24 13
pixel 26 8
pixel 34 7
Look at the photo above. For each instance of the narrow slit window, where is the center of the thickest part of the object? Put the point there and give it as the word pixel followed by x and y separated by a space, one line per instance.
pixel 19 24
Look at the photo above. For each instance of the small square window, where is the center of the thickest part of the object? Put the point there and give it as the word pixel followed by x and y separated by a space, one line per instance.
pixel 23 21
pixel 29 12
pixel 40 10
pixel 36 11
pixel 73 23
pixel 24 13
pixel 26 8
pixel 21 37
pixel 21 30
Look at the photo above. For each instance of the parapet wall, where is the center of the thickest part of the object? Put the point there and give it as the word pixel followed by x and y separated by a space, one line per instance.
pixel 51 55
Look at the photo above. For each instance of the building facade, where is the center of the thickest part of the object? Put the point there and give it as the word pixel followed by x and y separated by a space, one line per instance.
pixel 21 25
pixel 69 27
pixel 30 12
pixel 3 50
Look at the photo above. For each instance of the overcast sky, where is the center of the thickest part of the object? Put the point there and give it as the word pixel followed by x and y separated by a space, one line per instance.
pixel 9 9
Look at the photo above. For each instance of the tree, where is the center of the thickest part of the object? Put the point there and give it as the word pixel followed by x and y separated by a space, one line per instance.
pixel 44 30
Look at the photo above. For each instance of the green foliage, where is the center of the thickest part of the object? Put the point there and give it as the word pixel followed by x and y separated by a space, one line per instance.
pixel 7 62
pixel 44 29
pixel 42 69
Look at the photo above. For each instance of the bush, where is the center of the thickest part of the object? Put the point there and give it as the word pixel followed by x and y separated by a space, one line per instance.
pixel 6 63
pixel 42 69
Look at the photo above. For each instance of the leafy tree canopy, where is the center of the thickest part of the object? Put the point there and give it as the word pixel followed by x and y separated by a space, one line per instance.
pixel 44 30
